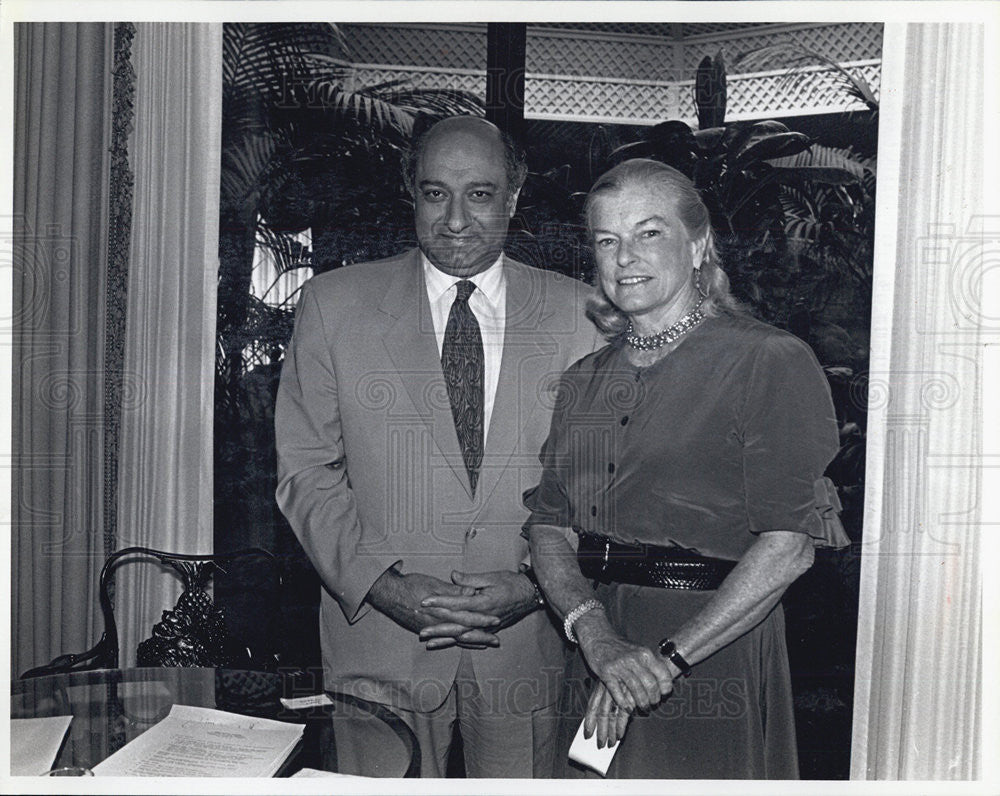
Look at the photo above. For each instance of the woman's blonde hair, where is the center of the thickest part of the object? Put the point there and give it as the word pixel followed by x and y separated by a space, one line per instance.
pixel 693 214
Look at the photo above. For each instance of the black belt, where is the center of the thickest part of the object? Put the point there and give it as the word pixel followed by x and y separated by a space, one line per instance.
pixel 603 559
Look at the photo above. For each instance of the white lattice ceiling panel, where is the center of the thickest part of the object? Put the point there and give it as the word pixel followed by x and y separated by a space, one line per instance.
pixel 687 110
pixel 776 95
pixel 667 30
pixel 633 60
pixel 628 28
pixel 839 42
pixel 691 29
pixel 459 47
pixel 757 98
pixel 618 77
pixel 582 99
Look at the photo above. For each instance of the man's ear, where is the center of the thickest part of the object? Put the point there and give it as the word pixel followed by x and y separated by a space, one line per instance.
pixel 512 203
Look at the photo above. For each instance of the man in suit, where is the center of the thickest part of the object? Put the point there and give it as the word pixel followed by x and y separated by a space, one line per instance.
pixel 414 398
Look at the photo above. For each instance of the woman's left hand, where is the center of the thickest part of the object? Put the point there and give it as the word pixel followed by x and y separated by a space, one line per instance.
pixel 604 717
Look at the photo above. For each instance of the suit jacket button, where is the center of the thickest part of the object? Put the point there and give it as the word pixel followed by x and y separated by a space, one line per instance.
pixel 472 533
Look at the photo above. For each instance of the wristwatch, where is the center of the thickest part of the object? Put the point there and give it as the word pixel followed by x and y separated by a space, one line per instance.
pixel 669 651
pixel 529 573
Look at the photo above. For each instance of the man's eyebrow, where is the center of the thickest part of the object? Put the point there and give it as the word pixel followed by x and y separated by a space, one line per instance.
pixel 483 184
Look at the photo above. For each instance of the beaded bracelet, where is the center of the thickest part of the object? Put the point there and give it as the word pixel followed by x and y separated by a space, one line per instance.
pixel 570 620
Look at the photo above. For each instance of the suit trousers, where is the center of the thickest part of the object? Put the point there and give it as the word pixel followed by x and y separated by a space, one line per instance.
pixel 495 743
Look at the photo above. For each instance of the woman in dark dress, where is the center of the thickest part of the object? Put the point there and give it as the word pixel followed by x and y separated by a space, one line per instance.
pixel 682 493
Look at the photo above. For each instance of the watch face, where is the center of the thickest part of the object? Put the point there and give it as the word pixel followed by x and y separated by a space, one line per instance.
pixel 669 651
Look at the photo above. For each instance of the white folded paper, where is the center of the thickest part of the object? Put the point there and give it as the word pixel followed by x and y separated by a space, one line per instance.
pixel 585 752
pixel 316 773
pixel 34 744
pixel 302 703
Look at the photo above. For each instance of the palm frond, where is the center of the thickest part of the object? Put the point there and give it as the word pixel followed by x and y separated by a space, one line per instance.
pixel 246 165
pixel 287 252
pixel 268 65
pixel 265 55
pixel 823 164
pixel 434 101
pixel 803 229
pixel 799 64
pixel 265 326
pixel 797 203
pixel 361 108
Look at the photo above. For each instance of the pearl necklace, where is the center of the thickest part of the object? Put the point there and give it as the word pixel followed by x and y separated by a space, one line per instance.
pixel 668 335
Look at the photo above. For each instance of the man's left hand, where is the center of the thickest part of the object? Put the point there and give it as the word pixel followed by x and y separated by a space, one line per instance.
pixel 508 595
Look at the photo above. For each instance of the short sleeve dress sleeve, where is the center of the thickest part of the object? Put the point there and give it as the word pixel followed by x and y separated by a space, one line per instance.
pixel 789 433
pixel 549 502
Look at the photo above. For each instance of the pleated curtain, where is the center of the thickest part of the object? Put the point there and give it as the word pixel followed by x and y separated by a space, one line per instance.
pixel 113 389
pixel 165 475
pixel 61 137
pixel 918 686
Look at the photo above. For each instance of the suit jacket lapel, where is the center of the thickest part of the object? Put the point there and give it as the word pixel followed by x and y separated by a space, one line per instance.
pixel 528 354
pixel 411 344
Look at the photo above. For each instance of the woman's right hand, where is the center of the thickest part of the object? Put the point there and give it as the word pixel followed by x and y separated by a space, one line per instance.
pixel 633 675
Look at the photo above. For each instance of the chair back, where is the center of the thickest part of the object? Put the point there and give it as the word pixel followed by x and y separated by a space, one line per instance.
pixel 245 628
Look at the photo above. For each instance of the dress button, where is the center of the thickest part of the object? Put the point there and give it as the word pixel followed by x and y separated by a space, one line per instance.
pixel 625 420
pixel 611 467
pixel 593 511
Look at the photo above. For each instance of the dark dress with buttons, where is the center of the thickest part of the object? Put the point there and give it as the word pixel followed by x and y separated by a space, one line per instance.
pixel 725 437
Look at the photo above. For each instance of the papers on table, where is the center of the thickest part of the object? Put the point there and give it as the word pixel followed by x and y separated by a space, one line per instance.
pixel 585 752
pixel 34 744
pixel 201 742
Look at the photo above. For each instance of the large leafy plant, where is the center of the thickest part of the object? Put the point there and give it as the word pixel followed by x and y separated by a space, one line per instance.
pixel 789 213
pixel 305 148
pixel 794 218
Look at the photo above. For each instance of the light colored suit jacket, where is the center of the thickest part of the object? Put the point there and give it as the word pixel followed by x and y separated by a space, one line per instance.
pixel 370 472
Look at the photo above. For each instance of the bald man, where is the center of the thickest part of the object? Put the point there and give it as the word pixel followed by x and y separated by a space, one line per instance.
pixel 415 396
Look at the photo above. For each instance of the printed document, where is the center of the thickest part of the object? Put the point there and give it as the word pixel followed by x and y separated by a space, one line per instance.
pixel 201 742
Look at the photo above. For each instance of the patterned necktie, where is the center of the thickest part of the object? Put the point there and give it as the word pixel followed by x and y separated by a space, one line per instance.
pixel 463 365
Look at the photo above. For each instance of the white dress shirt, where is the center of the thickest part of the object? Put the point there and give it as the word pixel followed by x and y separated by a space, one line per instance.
pixel 489 304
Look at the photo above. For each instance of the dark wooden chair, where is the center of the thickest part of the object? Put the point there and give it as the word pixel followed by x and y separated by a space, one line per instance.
pixel 252 586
